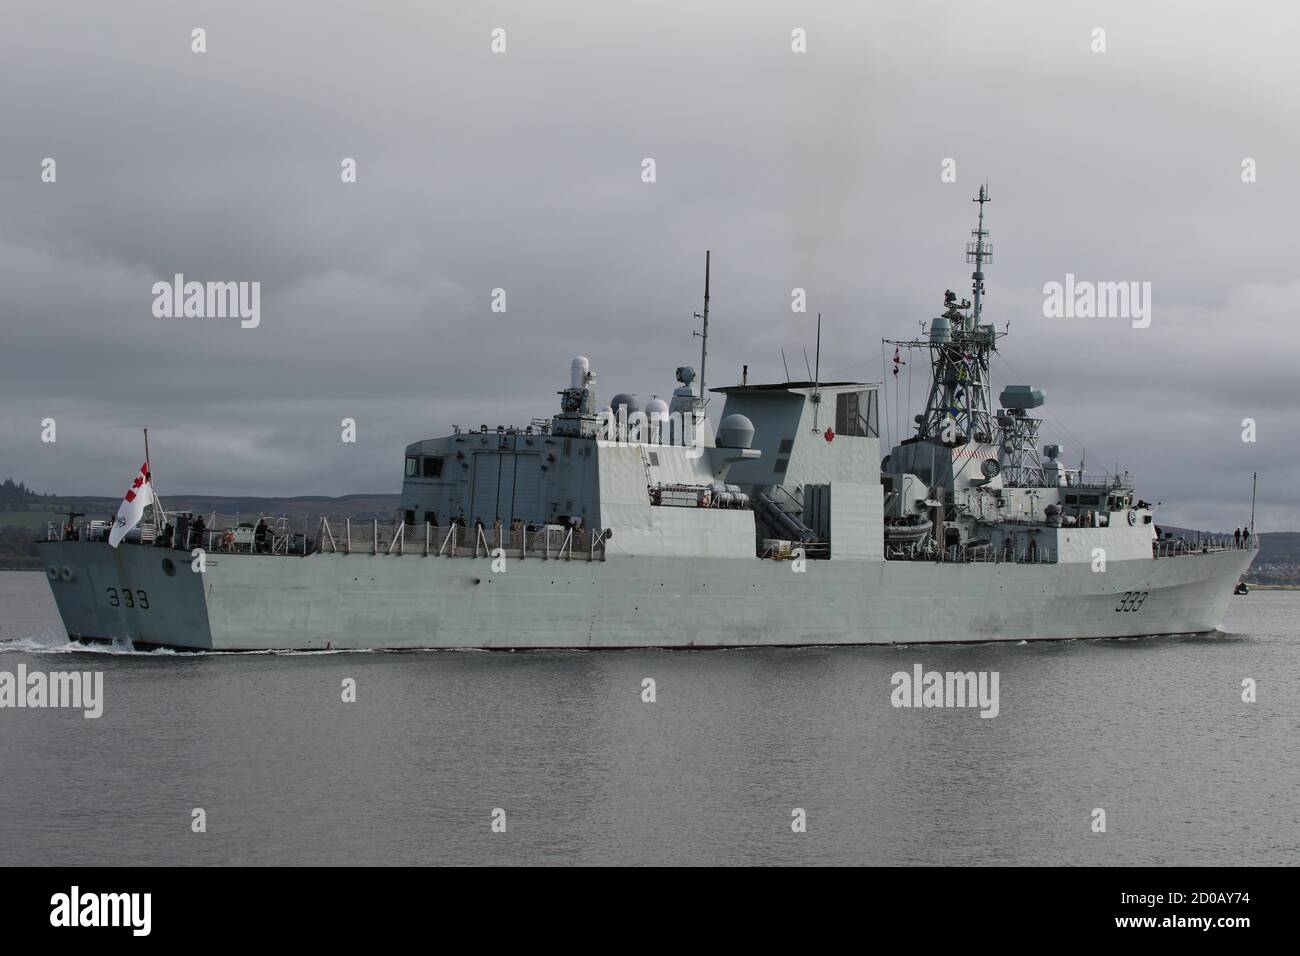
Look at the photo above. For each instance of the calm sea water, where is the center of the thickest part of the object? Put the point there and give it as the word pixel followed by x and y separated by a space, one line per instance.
pixel 1153 731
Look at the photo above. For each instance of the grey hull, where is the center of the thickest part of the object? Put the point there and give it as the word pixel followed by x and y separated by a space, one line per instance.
pixel 364 601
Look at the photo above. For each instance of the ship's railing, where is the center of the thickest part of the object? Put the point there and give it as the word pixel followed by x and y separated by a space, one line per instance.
pixel 97 530
pixel 1202 544
pixel 251 533
pixel 792 550
pixel 968 554
pixel 282 535
pixel 1164 548
pixel 1103 481
pixel 349 536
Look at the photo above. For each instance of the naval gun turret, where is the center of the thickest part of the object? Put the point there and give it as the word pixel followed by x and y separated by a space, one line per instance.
pixel 578 416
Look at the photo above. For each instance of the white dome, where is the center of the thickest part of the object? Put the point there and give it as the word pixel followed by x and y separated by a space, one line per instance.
pixel 736 431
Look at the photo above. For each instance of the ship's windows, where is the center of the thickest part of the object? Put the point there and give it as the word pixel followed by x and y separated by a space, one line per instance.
pixel 433 468
pixel 787 444
pixel 781 465
pixel 654 458
pixel 855 414
pixel 412 466
pixel 1071 499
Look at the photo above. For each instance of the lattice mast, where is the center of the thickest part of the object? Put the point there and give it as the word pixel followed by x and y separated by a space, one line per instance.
pixel 960 405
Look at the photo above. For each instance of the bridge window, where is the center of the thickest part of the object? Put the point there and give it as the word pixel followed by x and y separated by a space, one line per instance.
pixel 856 414
pixel 412 466
pixel 433 467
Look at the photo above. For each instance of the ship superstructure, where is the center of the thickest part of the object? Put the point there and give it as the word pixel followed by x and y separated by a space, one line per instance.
pixel 973 475
pixel 621 526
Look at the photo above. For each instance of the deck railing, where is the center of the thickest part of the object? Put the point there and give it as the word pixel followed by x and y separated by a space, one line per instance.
pixel 428 540
pixel 969 554
pixel 1206 544
pixel 235 534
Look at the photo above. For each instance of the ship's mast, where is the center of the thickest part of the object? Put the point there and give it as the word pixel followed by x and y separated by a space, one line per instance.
pixel 1254 485
pixel 959 407
pixel 978 253
pixel 817 375
pixel 704 344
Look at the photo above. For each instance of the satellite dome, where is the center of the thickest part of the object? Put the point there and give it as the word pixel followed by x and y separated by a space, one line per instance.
pixel 736 431
pixel 625 399
pixel 657 427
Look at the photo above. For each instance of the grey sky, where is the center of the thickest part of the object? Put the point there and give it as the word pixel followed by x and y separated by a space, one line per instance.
pixel 522 171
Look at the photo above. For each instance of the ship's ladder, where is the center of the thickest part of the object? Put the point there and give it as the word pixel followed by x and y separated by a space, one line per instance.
pixel 645 465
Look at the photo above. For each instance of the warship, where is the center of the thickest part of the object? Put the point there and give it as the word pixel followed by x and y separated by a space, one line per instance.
pixel 624 527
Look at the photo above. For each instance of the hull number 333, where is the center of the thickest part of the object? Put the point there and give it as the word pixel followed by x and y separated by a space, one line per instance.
pixel 1131 601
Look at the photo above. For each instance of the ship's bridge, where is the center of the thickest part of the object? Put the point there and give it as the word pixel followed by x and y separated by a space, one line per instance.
pixel 808 432
pixel 817 480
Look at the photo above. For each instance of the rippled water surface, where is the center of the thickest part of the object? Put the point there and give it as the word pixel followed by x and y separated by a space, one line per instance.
pixel 1152 731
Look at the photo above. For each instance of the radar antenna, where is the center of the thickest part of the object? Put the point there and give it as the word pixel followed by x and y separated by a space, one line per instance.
pixel 959 407
pixel 979 252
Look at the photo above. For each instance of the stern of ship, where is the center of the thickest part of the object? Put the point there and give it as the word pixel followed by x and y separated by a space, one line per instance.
pixel 136 592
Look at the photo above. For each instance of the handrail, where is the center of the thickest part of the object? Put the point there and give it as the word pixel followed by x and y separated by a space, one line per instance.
pixel 588 544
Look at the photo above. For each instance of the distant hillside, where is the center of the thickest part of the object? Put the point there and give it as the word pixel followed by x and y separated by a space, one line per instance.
pixel 1279 559
pixel 1280 546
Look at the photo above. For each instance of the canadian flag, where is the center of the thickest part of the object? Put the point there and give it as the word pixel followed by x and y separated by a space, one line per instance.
pixel 133 504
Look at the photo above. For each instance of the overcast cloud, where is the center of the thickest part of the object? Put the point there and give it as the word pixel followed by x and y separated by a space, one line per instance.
pixel 523 171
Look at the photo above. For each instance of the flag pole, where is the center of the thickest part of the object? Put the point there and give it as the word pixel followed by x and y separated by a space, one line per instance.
pixel 1254 484
pixel 157 505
